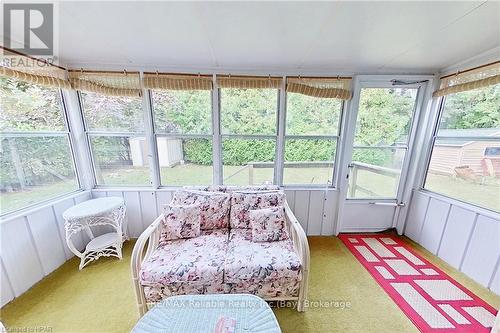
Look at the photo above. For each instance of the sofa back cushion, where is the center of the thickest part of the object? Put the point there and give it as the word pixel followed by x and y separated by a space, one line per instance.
pixel 180 221
pixel 214 210
pixel 244 201
pixel 268 224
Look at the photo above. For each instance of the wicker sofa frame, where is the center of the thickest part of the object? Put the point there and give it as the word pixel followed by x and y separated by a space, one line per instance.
pixel 148 242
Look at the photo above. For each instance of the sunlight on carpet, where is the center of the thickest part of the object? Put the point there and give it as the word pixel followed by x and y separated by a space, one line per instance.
pixel 343 295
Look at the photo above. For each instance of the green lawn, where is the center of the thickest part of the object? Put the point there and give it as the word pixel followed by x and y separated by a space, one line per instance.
pixel 485 194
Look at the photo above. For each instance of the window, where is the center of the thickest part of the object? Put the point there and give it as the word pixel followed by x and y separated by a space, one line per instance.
pixel 249 130
pixel 35 153
pixel 183 129
pixel 312 128
pixel 465 161
pixel 115 128
pixel 380 148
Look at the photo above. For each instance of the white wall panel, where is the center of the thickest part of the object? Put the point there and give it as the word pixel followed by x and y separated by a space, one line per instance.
pixel 467 238
pixel 301 209
pixel 483 251
pixel 329 213
pixel 149 208
pixel 48 243
pixel 6 294
pixel 162 198
pixel 416 216
pixel 33 245
pixel 99 194
pixel 495 281
pixel 290 198
pixel 364 217
pixel 134 215
pixel 456 235
pixel 59 208
pixel 434 223
pixel 315 217
pixel 19 255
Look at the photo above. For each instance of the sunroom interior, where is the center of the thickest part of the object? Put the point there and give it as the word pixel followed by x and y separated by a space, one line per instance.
pixel 338 163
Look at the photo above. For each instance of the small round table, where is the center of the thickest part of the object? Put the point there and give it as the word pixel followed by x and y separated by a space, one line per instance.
pixel 200 314
pixel 109 212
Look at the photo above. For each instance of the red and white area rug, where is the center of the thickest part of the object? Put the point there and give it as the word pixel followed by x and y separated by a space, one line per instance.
pixel 429 297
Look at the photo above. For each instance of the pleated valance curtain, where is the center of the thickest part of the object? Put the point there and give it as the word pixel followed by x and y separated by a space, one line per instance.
pixel 468 80
pixel 106 83
pixel 177 81
pixel 320 87
pixel 32 71
pixel 249 82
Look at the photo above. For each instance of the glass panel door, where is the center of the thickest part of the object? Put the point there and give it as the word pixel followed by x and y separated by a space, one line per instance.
pixel 381 142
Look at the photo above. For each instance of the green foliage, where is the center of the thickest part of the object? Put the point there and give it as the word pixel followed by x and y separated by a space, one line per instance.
pixel 111 150
pixel 384 116
pixel 309 150
pixel 42 160
pixel 384 119
pixel 241 151
pixel 198 151
pixel 110 113
pixel 312 116
pixel 248 111
pixel 479 108
pixel 380 157
pixel 186 112
pixel 27 107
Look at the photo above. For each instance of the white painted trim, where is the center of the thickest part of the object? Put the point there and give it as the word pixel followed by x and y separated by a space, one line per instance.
pixel 280 140
pixel 32 208
pixel 462 204
pixel 218 177
pixel 154 166
pixel 348 128
pixel 380 81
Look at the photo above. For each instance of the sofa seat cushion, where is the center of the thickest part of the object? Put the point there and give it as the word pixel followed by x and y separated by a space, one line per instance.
pixel 155 294
pixel 263 261
pixel 266 289
pixel 198 259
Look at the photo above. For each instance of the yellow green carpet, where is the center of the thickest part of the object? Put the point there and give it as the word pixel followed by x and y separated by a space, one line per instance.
pixel 100 298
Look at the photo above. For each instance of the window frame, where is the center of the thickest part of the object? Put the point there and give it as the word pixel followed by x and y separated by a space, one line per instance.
pixel 155 135
pixel 275 137
pixel 66 132
pixel 333 177
pixel 91 133
pixel 435 136
pixel 216 137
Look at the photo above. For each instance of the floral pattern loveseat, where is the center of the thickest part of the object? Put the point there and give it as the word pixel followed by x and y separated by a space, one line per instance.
pixel 223 258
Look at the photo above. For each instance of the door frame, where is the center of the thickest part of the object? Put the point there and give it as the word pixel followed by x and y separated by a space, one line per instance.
pixel 349 127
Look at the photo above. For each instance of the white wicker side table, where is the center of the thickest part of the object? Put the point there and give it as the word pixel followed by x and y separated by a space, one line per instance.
pixel 109 212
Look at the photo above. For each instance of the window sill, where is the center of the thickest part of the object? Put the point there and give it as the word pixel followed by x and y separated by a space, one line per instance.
pixel 39 205
pixel 462 204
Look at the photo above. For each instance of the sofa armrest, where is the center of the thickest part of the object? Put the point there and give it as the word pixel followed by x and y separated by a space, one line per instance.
pixel 301 246
pixel 144 246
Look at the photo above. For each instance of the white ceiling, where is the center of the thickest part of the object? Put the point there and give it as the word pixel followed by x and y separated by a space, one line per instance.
pixel 336 37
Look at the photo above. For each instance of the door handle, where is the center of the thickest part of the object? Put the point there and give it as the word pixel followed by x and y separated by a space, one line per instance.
pixel 395 204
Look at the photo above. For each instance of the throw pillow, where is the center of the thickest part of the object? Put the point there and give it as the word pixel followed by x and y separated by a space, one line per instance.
pixel 180 221
pixel 268 224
